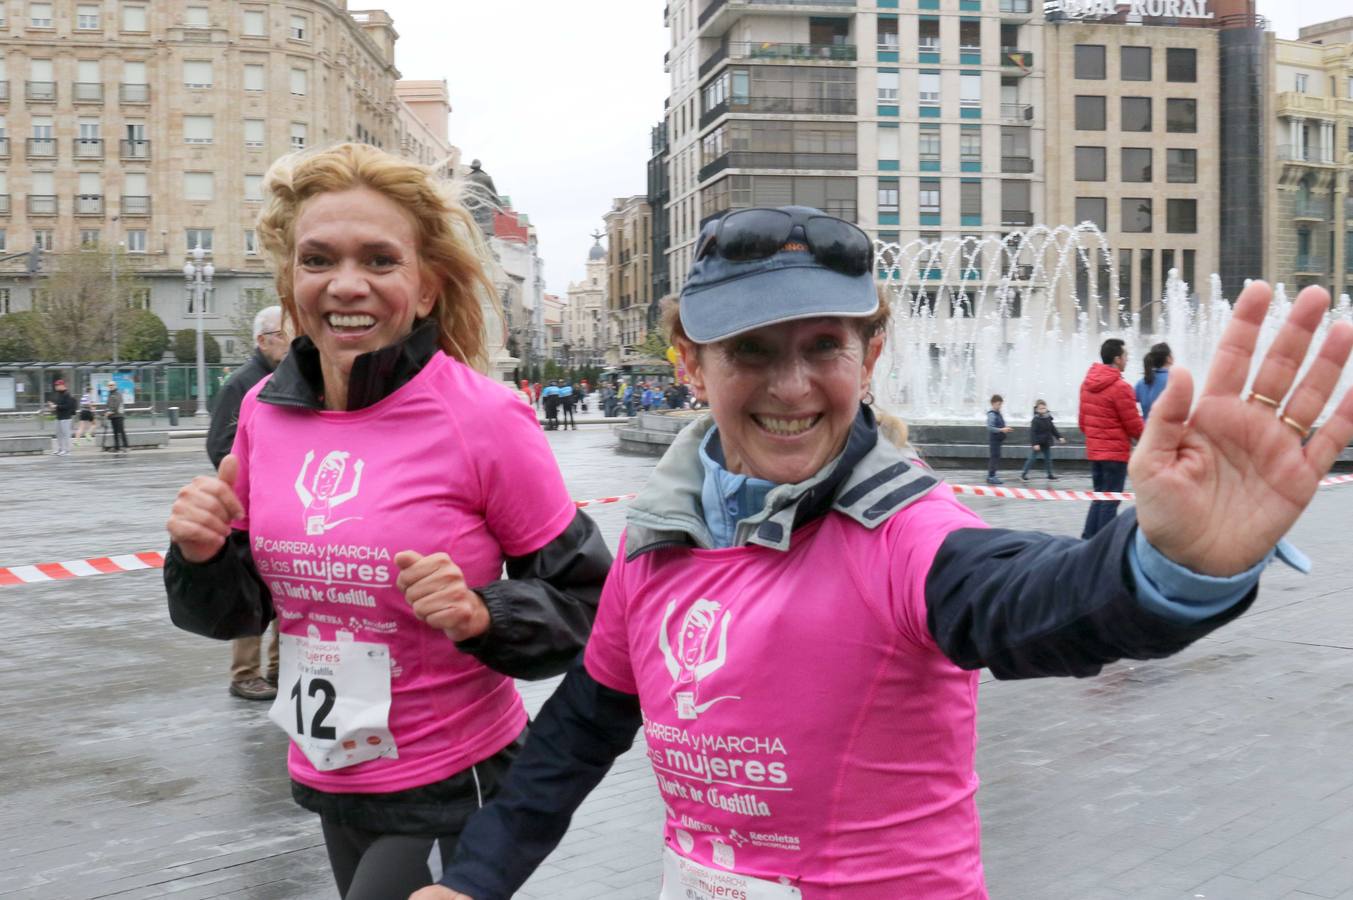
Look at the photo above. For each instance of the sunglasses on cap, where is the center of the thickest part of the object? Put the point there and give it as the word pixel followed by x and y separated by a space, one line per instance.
pixel 750 234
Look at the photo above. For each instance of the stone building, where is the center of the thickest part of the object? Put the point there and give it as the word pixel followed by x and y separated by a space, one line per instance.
pixel 585 316
pixel 149 125
pixel 629 288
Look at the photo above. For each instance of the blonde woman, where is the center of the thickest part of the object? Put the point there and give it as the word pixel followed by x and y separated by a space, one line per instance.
pixel 400 636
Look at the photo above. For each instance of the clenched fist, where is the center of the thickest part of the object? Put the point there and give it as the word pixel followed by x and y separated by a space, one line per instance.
pixel 436 589
pixel 200 520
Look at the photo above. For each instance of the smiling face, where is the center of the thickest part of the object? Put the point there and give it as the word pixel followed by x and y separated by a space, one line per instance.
pixel 357 279
pixel 784 396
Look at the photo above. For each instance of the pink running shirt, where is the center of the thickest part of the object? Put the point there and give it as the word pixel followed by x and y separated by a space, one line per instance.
pixel 452 462
pixel 802 724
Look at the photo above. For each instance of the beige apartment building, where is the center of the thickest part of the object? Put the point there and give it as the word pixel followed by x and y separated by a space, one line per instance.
pixel 585 314
pixel 150 125
pixel 1137 147
pixel 1310 227
pixel 629 288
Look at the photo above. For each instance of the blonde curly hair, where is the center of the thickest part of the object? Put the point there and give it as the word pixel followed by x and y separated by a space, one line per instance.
pixel 451 250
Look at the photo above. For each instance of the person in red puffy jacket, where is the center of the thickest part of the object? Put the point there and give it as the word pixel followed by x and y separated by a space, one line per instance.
pixel 1110 422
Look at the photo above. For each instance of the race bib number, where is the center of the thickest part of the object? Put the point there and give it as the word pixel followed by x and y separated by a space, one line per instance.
pixel 686 879
pixel 333 699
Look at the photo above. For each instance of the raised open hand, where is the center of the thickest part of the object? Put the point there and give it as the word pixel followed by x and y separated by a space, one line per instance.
pixel 1217 488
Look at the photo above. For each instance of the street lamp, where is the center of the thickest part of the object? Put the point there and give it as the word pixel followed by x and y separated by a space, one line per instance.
pixel 197 278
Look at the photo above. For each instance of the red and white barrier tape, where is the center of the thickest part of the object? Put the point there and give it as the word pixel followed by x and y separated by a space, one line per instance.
pixel 153 559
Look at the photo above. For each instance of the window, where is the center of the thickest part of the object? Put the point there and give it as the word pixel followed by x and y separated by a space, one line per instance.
pixel 4 299
pixel 4 292
pixel 299 29
pixel 42 237
pixel 1093 209
pixel 970 145
pixel 250 242
pixel 90 238
pixel 1181 64
pixel 298 135
pixel 887 34
pixel 40 15
pixel 134 73
pixel 197 17
pixel 970 199
pixel 929 88
pixel 929 143
pixel 42 128
pixel 254 77
pixel 970 34
pixel 254 132
pixel 928 34
pixel 199 185
pixel 253 187
pixel 889 143
pixel 1181 166
pixel 1136 163
pixel 197 73
pixel 1135 63
pixel 198 129
pixel 255 23
pixel 89 184
pixel 1015 142
pixel 928 198
pixel 888 195
pixel 1136 114
pixel 887 87
pixel 87 17
pixel 1090 164
pixel 300 81
pixel 1089 113
pixel 969 90
pixel 1090 62
pixel 1136 213
pixel 136 240
pixel 1300 80
pixel 133 18
pixel 138 298
pixel 1181 216
pixel 198 237
pixel 1181 115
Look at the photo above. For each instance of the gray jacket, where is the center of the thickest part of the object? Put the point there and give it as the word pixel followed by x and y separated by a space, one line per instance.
pixel 114 403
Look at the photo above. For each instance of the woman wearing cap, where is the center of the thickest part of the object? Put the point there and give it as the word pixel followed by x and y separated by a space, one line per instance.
pixel 799 608
pixel 376 477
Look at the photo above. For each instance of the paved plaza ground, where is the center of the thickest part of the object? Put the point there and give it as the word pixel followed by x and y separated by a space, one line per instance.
pixel 127 771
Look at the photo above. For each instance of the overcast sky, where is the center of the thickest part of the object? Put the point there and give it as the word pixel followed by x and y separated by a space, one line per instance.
pixel 557 98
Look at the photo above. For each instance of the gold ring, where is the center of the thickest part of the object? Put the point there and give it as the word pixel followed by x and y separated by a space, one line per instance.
pixel 1267 401
pixel 1296 426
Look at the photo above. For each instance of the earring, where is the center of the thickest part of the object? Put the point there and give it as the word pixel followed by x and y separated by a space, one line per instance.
pixel 868 398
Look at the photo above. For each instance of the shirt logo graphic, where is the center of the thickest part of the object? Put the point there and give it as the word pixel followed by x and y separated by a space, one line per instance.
pixel 702 649
pixel 322 496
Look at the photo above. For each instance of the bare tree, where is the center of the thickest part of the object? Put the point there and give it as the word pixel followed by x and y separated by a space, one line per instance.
pixel 79 310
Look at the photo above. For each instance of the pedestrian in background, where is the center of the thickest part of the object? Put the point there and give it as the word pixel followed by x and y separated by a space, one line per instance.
pixel 568 398
pixel 113 411
pixel 64 407
pixel 1155 375
pixel 84 431
pixel 1044 432
pixel 996 432
pixel 1110 422
pixel 249 679
pixel 628 399
pixel 549 399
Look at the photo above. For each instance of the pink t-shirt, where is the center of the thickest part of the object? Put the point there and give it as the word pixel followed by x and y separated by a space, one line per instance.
pixel 449 462
pixel 802 724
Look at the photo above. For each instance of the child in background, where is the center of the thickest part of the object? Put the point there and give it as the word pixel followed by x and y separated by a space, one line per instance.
pixel 996 432
pixel 1044 433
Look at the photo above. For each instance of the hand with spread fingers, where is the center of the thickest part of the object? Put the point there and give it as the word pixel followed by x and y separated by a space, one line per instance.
pixel 1219 486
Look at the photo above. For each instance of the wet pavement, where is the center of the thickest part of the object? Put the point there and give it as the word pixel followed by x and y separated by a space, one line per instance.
pixel 126 770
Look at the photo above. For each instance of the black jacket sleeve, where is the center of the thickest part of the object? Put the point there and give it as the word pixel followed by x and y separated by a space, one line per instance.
pixel 541 614
pixel 224 418
pixel 224 598
pixel 580 732
pixel 1027 604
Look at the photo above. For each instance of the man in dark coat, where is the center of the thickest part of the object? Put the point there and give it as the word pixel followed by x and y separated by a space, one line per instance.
pixel 63 406
pixel 1110 422
pixel 246 678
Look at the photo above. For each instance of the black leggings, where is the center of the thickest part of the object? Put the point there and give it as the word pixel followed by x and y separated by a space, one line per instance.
pixel 371 866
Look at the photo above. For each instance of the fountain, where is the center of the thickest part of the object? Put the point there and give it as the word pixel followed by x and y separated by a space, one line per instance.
pixel 1021 316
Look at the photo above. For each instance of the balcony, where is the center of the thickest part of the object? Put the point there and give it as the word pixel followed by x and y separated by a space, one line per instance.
pixel 1295 104
pixel 1015 61
pixel 135 205
pixel 718 56
pixel 1313 208
pixel 40 91
pixel 41 148
pixel 1016 165
pixel 1016 218
pixel 802 106
pixel 769 50
pixel 1309 264
pixel 1017 113
pixel 720 14
pixel 752 159
pixel 89 204
pixel 88 92
pixel 42 204
pixel 1306 154
pixel 134 149
pixel 133 93
pixel 4 204
pixel 88 148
